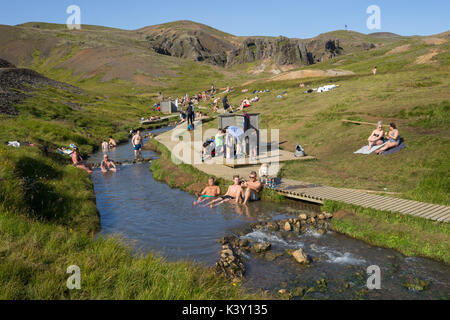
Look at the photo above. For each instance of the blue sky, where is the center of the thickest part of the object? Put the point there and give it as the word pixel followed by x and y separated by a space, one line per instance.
pixel 292 18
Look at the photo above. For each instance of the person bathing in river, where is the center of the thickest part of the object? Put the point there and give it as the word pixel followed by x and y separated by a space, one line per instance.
pixel 252 188
pixel 105 146
pixel 79 162
pixel 210 192
pixel 112 143
pixel 394 139
pixel 137 145
pixel 377 136
pixel 107 165
pixel 235 192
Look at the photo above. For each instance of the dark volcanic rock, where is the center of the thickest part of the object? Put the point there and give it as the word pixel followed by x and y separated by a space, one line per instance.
pixel 201 46
pixel 6 64
pixel 16 83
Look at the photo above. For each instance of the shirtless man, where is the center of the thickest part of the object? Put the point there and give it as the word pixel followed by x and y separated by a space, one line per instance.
pixel 78 161
pixel 211 191
pixel 253 187
pixel 235 192
pixel 107 165
pixel 137 145
pixel 112 143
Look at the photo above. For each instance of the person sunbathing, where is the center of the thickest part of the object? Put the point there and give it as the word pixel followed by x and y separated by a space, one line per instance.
pixel 235 192
pixel 211 191
pixel 107 165
pixel 394 139
pixel 244 104
pixel 377 136
pixel 78 161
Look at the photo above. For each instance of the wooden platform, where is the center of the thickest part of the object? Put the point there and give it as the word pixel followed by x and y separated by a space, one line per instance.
pixel 318 194
pixel 284 157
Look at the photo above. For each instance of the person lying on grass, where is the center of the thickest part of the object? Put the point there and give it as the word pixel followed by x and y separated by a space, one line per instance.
pixel 394 139
pixel 235 192
pixel 252 188
pixel 211 191
pixel 377 136
pixel 107 165
pixel 78 161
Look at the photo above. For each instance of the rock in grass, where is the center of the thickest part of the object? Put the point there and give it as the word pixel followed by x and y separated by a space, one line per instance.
pixel 300 256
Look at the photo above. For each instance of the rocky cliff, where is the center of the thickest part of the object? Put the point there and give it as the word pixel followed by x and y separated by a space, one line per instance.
pixel 200 44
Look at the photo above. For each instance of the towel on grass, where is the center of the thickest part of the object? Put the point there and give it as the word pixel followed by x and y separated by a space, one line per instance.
pixel 365 149
pixel 398 148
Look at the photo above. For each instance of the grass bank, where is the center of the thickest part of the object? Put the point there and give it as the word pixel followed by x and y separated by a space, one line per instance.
pixel 48 214
pixel 410 235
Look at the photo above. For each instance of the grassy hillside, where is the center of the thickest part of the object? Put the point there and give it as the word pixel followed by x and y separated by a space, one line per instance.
pixel 48 215
pixel 411 89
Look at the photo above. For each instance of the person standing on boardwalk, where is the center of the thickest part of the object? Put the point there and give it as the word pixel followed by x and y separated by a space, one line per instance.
pixel 190 114
pixel 137 145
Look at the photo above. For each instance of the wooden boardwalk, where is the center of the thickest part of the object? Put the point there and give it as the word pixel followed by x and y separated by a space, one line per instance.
pixel 318 194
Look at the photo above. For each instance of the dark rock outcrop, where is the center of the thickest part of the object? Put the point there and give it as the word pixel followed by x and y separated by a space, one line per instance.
pixel 6 64
pixel 201 46
pixel 17 83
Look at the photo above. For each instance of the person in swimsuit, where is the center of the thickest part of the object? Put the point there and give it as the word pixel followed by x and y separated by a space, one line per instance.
pixel 107 165
pixel 137 145
pixel 211 191
pixel 235 192
pixel 376 138
pixel 78 161
pixel 253 187
pixel 394 139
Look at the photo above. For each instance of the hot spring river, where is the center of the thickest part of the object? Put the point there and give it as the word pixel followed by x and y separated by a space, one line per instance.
pixel 157 218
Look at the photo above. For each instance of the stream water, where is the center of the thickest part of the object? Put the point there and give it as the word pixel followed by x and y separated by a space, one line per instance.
pixel 156 218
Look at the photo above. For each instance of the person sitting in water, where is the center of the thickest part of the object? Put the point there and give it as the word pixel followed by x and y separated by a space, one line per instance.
pixel 107 165
pixel 394 139
pixel 211 191
pixel 112 143
pixel 377 136
pixel 252 188
pixel 105 146
pixel 78 161
pixel 235 192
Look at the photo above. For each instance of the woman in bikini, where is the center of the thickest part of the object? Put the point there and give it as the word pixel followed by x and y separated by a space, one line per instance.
pixel 394 139
pixel 376 138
